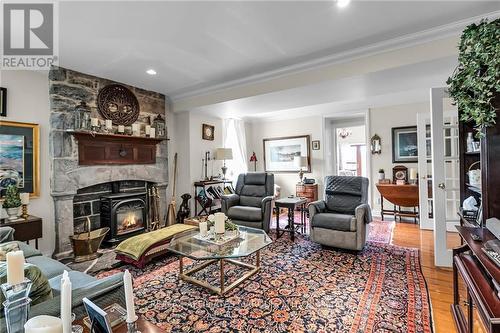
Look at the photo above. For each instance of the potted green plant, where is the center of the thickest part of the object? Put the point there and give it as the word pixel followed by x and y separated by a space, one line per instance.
pixel 475 83
pixel 12 202
pixel 381 174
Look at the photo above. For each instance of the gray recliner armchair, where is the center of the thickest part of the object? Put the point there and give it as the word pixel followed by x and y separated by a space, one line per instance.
pixel 250 206
pixel 340 220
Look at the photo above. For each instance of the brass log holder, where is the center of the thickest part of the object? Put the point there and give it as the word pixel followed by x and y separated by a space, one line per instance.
pixel 86 244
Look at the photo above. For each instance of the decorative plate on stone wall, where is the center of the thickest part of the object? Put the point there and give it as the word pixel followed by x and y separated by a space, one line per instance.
pixel 119 104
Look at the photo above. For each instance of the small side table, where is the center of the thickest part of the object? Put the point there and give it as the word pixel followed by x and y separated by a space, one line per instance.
pixel 291 204
pixel 25 229
pixel 142 325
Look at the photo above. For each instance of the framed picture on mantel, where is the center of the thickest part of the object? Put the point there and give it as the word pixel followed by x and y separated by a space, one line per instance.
pixel 279 153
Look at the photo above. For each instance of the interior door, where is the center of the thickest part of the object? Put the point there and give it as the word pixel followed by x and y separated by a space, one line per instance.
pixel 426 217
pixel 445 172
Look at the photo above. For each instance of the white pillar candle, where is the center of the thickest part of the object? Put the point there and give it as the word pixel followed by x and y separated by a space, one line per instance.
pixel 219 223
pixel 129 297
pixel 43 324
pixel 25 198
pixel 203 229
pixel 148 128
pixel 15 267
pixel 152 132
pixel 136 129
pixel 121 129
pixel 94 122
pixel 109 124
pixel 66 306
pixel 413 173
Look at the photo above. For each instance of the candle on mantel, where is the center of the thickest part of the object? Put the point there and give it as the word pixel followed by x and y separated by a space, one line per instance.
pixel 25 198
pixel 66 306
pixel 220 219
pixel 109 124
pixel 94 122
pixel 129 297
pixel 15 267
pixel 146 131
pixel 136 129
pixel 121 129
pixel 152 132
pixel 43 324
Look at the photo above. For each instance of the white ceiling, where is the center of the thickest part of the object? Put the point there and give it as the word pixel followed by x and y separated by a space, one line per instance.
pixel 194 45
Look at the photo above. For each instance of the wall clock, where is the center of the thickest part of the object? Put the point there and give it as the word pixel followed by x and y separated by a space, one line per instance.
pixel 207 132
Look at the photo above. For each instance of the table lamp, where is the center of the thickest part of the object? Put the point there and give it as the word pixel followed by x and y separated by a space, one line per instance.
pixel 223 154
pixel 300 162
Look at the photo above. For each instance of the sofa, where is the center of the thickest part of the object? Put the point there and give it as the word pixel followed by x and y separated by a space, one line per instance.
pixel 103 292
pixel 250 206
pixel 340 219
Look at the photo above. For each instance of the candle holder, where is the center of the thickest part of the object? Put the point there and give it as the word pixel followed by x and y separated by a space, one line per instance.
pixel 24 215
pixel 16 305
pixel 132 326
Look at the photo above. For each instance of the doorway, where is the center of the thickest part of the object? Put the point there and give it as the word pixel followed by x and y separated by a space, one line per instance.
pixel 350 147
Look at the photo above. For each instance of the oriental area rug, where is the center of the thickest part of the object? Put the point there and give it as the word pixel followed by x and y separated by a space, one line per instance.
pixel 302 287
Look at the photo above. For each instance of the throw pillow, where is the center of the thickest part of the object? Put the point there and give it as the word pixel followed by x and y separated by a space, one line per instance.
pixel 6 248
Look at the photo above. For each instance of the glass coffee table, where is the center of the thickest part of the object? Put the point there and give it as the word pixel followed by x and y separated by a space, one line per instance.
pixel 190 245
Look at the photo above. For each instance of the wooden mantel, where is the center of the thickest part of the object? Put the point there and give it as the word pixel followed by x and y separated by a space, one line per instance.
pixel 100 148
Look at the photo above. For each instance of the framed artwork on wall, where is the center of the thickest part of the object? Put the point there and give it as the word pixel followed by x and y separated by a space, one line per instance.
pixel 315 145
pixel 207 132
pixel 404 144
pixel 19 157
pixel 3 102
pixel 279 153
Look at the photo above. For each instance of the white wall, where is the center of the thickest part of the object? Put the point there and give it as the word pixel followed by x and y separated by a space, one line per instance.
pixel 382 120
pixel 257 131
pixel 28 101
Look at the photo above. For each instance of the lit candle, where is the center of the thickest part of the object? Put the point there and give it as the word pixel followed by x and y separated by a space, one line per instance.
pixel 203 229
pixel 66 306
pixel 152 132
pixel 219 223
pixel 109 124
pixel 15 267
pixel 43 324
pixel 148 128
pixel 413 173
pixel 25 198
pixel 94 122
pixel 121 129
pixel 129 297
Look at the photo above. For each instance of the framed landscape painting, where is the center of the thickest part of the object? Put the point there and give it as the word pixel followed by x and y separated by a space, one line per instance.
pixel 404 144
pixel 19 157
pixel 280 152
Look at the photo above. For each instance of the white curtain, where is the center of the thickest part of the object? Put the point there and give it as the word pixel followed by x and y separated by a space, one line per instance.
pixel 235 138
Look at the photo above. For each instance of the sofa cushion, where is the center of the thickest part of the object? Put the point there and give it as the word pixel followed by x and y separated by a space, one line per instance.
pixel 78 280
pixel 334 221
pixel 49 267
pixel 245 213
pixel 40 288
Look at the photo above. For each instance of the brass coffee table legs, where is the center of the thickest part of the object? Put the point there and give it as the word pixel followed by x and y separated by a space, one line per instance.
pixel 223 289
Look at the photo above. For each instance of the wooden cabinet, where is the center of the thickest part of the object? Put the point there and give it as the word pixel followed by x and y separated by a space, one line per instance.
pixel 101 148
pixel 308 191
pixel 25 229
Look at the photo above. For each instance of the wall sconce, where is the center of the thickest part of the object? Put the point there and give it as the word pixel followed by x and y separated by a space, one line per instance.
pixel 376 144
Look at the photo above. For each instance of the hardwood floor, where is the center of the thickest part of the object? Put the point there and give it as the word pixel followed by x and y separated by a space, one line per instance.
pixel 439 280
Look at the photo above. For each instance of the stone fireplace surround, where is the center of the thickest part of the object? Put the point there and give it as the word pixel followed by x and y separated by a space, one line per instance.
pixel 66 89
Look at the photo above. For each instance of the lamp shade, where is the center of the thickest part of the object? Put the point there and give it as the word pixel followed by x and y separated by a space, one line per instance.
pixel 224 154
pixel 300 162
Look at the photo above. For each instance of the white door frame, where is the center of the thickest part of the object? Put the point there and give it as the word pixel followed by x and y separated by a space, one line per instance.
pixel 442 255
pixel 423 210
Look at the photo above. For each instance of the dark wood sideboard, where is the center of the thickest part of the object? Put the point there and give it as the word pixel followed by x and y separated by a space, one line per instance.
pixel 25 229
pixel 478 272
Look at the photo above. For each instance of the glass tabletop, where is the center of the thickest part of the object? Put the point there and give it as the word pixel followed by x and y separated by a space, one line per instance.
pixel 193 246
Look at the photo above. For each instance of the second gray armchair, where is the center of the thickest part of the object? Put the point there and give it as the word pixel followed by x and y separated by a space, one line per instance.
pixel 340 220
pixel 251 204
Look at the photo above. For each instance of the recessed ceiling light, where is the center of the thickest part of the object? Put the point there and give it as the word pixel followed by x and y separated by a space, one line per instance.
pixel 343 3
pixel 151 72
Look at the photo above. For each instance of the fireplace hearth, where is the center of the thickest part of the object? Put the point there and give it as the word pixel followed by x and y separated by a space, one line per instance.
pixel 125 214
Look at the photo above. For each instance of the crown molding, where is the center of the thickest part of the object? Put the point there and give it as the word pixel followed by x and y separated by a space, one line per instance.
pixel 425 36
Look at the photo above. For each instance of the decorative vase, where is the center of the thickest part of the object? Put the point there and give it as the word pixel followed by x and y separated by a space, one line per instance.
pixel 13 213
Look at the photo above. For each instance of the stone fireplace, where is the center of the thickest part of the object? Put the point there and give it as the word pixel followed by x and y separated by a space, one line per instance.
pixel 77 189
